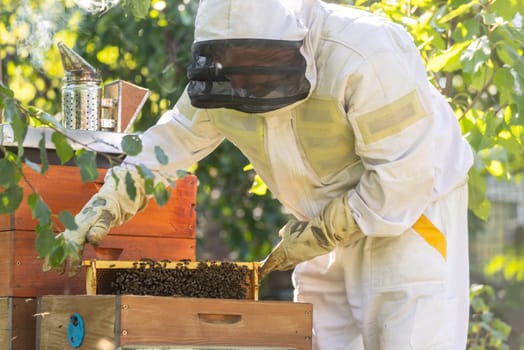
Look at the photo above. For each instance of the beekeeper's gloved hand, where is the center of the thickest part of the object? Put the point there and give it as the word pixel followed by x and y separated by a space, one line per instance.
pixel 304 240
pixel 110 207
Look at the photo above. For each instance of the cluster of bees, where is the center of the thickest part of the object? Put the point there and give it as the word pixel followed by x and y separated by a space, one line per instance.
pixel 222 280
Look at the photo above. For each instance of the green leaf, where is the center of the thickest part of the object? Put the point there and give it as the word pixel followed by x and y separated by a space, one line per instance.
pixel 116 178
pixel 161 194
pixel 73 249
pixel 8 172
pixel 478 201
pixel 518 65
pixel 476 55
pixel 504 81
pixel 139 8
pixel 13 116
pixel 490 19
pixel 493 124
pixel 130 186
pixel 86 160
pixel 503 53
pixel 449 60
pixel 68 220
pixel 10 199
pixel 131 145
pixel 149 178
pixel 477 304
pixel 462 9
pixel 4 90
pixel 515 35
pixel 161 156
pixel 39 209
pixel 48 119
pixel 57 256
pixel 145 172
pixel 63 149
pixel 32 199
pixel 477 138
pixel 519 102
pixel 44 240
pixel 43 154
pixel 477 81
pixel 507 8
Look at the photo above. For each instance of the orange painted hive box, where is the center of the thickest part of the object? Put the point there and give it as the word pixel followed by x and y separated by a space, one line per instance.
pixel 166 232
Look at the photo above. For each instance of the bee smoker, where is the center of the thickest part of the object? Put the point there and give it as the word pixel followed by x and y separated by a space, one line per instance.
pixel 86 106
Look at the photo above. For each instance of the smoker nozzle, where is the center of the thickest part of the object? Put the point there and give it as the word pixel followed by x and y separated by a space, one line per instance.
pixel 75 67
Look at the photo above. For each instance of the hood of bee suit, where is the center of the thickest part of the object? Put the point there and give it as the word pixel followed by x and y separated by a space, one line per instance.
pixel 249 19
pixel 247 24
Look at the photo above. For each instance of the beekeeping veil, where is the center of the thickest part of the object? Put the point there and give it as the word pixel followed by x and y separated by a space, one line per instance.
pixel 248 55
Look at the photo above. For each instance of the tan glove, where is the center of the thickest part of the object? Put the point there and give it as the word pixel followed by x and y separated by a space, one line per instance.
pixel 110 207
pixel 304 240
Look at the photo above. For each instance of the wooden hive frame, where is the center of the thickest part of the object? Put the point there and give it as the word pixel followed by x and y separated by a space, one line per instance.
pixel 95 268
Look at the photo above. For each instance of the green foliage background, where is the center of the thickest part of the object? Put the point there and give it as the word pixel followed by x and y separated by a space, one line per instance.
pixel 473 51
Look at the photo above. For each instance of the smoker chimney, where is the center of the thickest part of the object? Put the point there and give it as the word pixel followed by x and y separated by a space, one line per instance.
pixel 82 104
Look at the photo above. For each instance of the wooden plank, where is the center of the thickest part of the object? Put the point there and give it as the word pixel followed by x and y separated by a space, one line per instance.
pixel 24 323
pixel 5 323
pixel 62 189
pixel 130 321
pixel 17 324
pixel 6 263
pixel 7 222
pixel 177 218
pixel 22 271
pixel 98 312
pixel 196 321
pixel 28 278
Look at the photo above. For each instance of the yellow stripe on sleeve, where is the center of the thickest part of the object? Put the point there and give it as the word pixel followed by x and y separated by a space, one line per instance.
pixel 431 234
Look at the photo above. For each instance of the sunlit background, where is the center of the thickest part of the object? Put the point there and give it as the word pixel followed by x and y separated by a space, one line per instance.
pixel 154 51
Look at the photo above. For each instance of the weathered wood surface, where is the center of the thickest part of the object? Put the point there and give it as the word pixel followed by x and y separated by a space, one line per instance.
pixel 17 323
pixel 5 321
pixel 194 321
pixel 98 313
pixel 156 321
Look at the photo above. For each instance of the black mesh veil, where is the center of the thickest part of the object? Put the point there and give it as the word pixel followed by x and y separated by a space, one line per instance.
pixel 249 75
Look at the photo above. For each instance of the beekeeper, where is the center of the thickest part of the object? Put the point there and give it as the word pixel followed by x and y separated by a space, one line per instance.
pixel 333 108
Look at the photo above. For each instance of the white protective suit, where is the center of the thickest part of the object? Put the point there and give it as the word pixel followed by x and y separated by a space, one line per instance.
pixel 372 130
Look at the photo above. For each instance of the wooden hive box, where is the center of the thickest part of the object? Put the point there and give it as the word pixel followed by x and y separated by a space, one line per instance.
pixel 147 322
pixel 17 323
pixel 173 227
